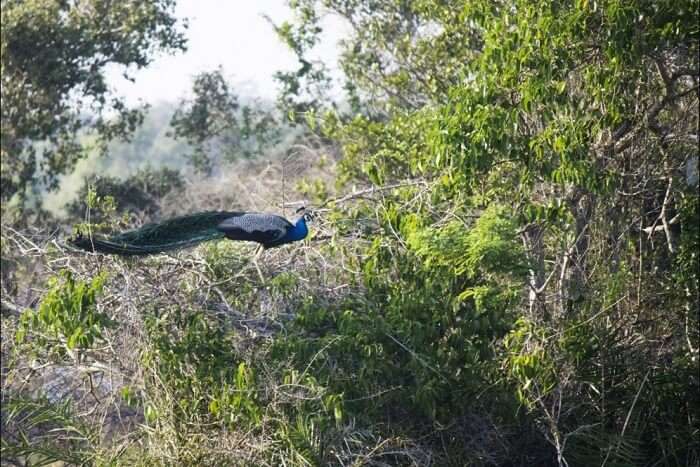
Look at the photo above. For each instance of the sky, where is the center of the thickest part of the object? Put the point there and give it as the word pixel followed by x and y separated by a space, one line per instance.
pixel 233 34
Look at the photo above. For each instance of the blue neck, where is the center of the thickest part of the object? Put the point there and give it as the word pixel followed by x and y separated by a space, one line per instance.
pixel 299 231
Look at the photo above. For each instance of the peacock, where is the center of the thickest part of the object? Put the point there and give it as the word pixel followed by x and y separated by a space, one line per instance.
pixel 268 230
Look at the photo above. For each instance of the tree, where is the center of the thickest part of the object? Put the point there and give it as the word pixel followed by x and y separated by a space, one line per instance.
pixel 400 54
pixel 137 196
pixel 53 60
pixel 576 123
pixel 214 122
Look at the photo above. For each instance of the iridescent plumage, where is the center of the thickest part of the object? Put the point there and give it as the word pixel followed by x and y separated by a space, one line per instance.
pixel 269 230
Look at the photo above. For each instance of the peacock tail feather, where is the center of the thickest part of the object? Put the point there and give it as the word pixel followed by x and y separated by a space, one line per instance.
pixel 172 234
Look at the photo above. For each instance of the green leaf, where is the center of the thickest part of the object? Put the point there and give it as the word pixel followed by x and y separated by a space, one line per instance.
pixel 75 338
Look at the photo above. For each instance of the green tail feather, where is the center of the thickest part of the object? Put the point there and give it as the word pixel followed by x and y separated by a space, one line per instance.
pixel 179 232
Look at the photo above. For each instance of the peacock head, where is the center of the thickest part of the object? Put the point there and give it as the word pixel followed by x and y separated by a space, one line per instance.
pixel 305 215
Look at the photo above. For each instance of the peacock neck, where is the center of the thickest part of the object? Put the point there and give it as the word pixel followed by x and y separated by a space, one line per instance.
pixel 299 231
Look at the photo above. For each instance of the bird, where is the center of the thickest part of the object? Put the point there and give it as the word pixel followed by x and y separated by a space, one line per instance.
pixel 268 230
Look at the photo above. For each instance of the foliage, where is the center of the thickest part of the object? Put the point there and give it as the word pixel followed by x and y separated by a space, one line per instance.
pixel 54 55
pixel 64 329
pixel 66 438
pixel 306 88
pixel 546 108
pixel 403 348
pixel 189 358
pixel 214 122
pixel 68 318
pixel 138 195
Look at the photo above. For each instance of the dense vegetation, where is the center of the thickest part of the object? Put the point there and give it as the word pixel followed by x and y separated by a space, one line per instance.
pixel 503 268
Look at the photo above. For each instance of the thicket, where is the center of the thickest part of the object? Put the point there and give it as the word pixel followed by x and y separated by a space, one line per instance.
pixel 503 268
